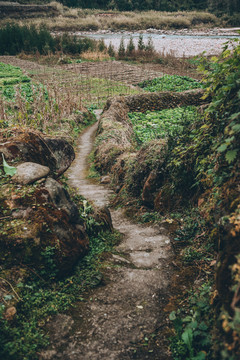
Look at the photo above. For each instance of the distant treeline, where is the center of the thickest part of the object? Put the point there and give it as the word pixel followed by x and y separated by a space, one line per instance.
pixel 226 6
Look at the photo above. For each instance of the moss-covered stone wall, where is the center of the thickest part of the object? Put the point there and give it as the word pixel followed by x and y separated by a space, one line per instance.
pixel 160 100
pixel 137 172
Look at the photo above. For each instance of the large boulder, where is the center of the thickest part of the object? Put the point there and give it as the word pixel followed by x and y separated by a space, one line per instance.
pixel 63 153
pixel 29 172
pixel 42 222
pixel 24 145
pixel 61 199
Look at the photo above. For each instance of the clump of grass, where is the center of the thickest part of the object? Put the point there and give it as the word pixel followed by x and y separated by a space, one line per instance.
pixel 90 19
pixel 95 56
pixel 202 17
pixel 59 7
pixel 151 20
pixel 122 22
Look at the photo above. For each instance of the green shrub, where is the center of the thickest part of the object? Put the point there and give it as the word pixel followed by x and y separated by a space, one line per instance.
pixel 192 339
pixel 130 46
pixel 121 49
pixel 40 299
pixel 141 45
pixel 111 51
pixel 15 39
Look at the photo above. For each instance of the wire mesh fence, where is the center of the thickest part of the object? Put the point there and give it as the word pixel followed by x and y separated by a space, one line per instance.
pixel 91 83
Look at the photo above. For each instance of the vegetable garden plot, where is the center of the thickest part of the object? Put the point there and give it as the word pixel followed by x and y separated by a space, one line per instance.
pixel 162 124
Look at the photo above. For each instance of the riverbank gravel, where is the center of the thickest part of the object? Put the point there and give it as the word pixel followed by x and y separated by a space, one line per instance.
pixel 179 43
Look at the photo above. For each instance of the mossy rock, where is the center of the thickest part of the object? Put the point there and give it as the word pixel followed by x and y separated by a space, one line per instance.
pixel 34 223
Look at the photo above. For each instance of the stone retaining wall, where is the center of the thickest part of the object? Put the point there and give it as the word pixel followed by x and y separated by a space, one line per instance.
pixel 160 100
pixel 138 172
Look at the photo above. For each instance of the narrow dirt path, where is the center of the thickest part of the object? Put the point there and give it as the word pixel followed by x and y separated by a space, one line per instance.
pixel 128 308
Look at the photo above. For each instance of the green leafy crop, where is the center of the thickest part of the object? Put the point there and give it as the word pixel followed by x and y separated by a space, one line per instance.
pixel 170 83
pixel 162 124
pixel 11 75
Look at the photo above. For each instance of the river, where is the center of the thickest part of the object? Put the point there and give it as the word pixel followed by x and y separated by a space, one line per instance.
pixel 177 43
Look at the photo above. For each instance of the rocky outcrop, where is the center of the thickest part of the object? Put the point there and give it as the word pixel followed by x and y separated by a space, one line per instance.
pixel 61 199
pixel 41 228
pixel 102 217
pixel 32 146
pixel 62 151
pixel 42 222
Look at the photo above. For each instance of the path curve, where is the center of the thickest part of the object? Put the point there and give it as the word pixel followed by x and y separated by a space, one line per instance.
pixel 129 307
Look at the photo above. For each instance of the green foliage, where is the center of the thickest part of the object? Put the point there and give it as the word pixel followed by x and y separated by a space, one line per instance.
pixel 222 81
pixel 141 45
pixel 40 299
pixel 15 38
pixel 74 45
pixel 149 47
pixel 27 92
pixel 150 217
pixel 11 75
pixel 130 46
pixel 49 266
pixel 9 170
pixel 101 46
pixel 162 124
pixel 121 49
pixel 193 226
pixel 111 51
pixel 191 323
pixel 170 83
